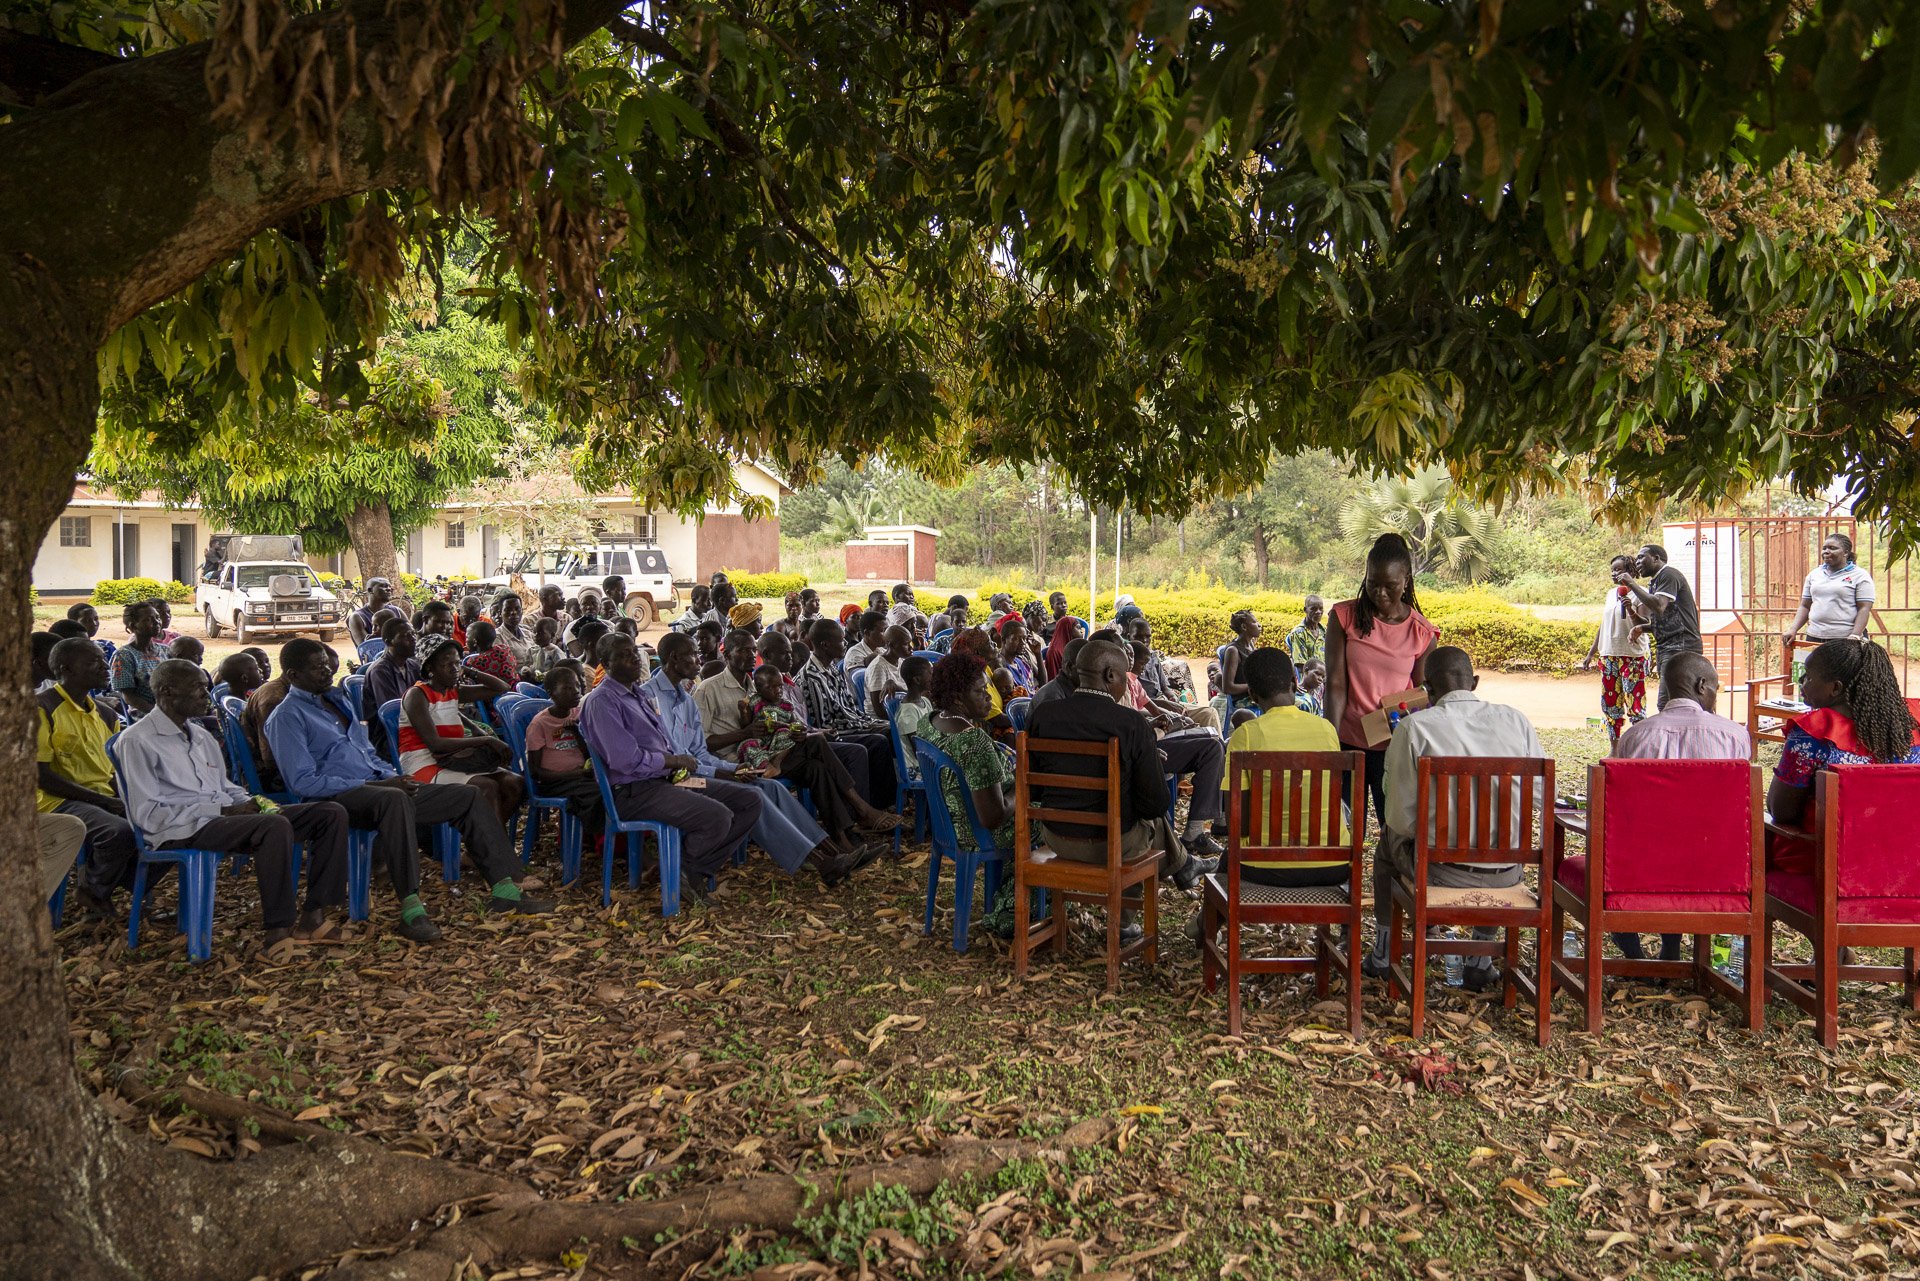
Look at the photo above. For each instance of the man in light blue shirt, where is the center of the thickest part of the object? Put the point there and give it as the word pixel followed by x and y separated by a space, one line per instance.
pixel 323 754
pixel 785 831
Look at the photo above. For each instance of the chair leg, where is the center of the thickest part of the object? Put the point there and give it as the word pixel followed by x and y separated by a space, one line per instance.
pixel 1322 964
pixel 196 905
pixel 1543 986
pixel 1021 924
pixel 359 875
pixel 1209 936
pixel 1354 948
pixel 139 905
pixel 1113 939
pixel 609 844
pixel 1826 989
pixel 1395 917
pixel 669 842
pixel 1060 924
pixel 1509 991
pixel 1417 972
pixel 1754 975
pixel 964 869
pixel 1234 1012
pixel 1150 900
pixel 532 827
pixel 933 890
pixel 1596 981
pixel 1912 983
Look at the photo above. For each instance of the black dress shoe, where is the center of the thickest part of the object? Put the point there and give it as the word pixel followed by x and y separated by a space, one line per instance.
pixel 525 905
pixel 1202 844
pixel 1193 870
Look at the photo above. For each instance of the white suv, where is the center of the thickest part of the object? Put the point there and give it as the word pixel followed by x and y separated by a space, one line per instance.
pixel 650 588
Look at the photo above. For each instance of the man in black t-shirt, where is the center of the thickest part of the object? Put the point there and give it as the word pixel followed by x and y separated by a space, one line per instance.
pixel 1093 713
pixel 1668 598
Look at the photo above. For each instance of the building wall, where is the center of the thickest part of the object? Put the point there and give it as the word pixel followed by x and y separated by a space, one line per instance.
pixel 877 562
pixel 734 542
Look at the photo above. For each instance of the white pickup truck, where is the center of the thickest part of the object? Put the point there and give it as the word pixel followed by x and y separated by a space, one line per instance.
pixel 267 598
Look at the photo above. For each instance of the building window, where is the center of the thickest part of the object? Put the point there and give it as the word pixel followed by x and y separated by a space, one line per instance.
pixel 76 531
pixel 456 533
pixel 646 528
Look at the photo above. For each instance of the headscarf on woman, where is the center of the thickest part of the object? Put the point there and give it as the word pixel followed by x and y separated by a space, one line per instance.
pixel 1063 631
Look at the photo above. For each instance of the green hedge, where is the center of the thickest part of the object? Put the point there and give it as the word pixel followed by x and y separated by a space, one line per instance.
pixel 764 586
pixel 125 591
pixel 1193 621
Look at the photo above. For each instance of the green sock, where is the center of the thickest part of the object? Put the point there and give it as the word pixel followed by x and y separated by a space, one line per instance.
pixel 507 890
pixel 411 908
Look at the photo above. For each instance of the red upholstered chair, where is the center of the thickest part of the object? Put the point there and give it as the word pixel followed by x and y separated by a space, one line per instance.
pixel 1864 891
pixel 1300 788
pixel 1476 809
pixel 1673 847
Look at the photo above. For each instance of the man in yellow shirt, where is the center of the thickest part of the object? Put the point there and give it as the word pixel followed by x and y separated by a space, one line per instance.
pixel 1283 727
pixel 76 778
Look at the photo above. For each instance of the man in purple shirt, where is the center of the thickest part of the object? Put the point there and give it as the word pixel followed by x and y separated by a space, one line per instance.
pixel 1685 729
pixel 625 734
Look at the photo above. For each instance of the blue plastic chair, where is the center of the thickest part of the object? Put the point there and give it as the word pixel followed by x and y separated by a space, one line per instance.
pixel 859 682
pixel 241 767
pixel 198 871
pixel 633 829
pixel 220 692
pixel 245 772
pixel 57 901
pixel 946 843
pixel 446 837
pixel 371 648
pixel 572 831
pixel 908 784
pixel 1017 713
pixel 529 689
pixel 356 686
pixel 937 637
pixel 931 655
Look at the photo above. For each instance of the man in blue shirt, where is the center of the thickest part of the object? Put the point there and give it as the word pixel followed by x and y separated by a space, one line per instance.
pixel 323 753
pixel 785 830
pixel 625 733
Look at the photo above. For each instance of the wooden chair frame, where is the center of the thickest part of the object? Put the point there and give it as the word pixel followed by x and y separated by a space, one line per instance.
pixel 1311 778
pixel 1829 934
pixel 1097 884
pixel 1588 907
pixel 1488 784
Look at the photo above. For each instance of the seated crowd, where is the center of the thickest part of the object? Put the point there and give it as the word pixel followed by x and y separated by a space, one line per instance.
pixel 782 736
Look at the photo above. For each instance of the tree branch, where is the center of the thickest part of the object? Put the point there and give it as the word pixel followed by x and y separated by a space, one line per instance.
pixel 33 68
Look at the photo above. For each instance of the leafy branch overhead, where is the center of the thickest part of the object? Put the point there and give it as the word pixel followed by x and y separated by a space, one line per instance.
pixel 1656 249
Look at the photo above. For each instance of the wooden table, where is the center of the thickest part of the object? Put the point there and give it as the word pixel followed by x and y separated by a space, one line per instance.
pixel 1767 719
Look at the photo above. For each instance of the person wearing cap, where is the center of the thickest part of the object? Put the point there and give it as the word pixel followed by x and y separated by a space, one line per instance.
pixel 590 603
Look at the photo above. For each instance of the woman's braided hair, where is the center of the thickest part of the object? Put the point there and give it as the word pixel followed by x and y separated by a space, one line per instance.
pixel 1388 549
pixel 1881 717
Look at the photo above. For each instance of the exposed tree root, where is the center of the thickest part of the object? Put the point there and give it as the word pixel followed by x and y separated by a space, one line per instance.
pixel 515 1228
pixel 315 1194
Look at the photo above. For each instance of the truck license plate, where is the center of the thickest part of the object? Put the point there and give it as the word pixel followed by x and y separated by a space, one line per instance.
pixel 297 618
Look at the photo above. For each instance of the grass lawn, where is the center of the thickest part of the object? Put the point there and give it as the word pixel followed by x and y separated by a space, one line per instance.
pixel 606 1053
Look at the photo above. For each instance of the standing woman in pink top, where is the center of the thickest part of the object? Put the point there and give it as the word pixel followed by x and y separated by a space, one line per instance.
pixel 1377 644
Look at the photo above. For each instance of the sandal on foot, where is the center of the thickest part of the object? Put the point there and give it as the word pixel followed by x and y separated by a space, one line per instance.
pixel 279 952
pixel 328 933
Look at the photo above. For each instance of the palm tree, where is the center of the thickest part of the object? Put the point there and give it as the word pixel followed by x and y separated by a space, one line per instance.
pixel 1447 531
pixel 849 516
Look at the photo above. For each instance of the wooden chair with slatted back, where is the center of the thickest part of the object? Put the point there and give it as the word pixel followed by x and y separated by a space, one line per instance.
pixel 1097 884
pixel 1285 807
pixel 1477 809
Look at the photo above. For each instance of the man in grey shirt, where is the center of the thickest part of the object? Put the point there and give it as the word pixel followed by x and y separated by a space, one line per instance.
pixel 1061 685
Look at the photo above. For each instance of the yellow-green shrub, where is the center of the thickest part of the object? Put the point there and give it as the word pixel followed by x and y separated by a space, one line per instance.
pixel 1193 621
pixel 125 591
pixel 762 586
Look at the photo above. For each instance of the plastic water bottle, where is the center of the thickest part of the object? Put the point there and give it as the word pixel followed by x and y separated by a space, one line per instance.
pixel 1736 959
pixel 1393 721
pixel 1456 966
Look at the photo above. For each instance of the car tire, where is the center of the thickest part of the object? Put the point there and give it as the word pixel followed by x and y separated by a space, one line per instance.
pixel 240 627
pixel 640 610
pixel 327 634
pixel 213 628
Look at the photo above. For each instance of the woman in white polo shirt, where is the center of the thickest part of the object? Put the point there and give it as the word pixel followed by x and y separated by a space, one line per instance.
pixel 1837 601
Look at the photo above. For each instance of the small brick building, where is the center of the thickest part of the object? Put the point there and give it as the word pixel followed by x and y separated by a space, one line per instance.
pixel 893 554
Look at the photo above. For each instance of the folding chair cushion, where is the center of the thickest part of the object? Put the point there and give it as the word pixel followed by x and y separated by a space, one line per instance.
pixel 1877 808
pixel 1254 895
pixel 1798 891
pixel 1678 828
pixel 1573 875
pixel 1521 896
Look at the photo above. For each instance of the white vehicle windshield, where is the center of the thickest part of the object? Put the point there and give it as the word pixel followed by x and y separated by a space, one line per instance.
pixel 551 563
pixel 261 575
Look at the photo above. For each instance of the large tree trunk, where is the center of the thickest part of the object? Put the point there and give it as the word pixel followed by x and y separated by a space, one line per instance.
pixel 370 530
pixel 1262 553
